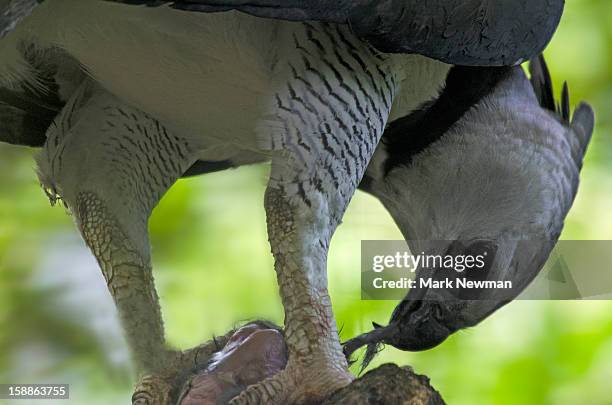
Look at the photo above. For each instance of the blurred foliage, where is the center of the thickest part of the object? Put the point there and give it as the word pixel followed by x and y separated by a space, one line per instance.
pixel 213 268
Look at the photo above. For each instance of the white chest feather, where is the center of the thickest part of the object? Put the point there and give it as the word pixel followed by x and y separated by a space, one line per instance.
pixel 205 76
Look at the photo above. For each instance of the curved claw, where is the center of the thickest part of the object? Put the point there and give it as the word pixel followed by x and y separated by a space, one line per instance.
pixel 270 391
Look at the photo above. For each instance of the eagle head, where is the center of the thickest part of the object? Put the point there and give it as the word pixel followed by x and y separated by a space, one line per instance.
pixel 489 169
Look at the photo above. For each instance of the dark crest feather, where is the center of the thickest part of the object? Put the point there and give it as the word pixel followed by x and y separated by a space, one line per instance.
pixel 543 87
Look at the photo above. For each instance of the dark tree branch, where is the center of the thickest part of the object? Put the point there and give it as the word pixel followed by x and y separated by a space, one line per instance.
pixel 388 384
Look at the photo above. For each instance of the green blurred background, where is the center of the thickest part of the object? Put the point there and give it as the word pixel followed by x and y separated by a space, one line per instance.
pixel 213 268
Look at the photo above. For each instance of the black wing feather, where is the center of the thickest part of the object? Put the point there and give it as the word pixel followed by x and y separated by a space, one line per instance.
pixel 24 120
pixel 28 109
pixel 459 32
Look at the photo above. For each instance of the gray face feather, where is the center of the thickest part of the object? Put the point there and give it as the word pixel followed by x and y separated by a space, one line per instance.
pixel 461 32
pixel 501 178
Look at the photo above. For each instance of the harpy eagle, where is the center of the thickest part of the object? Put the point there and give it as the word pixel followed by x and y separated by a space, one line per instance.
pixel 124 100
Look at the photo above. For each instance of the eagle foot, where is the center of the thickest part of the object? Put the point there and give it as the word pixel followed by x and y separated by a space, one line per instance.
pixel 163 386
pixel 300 383
pixel 153 390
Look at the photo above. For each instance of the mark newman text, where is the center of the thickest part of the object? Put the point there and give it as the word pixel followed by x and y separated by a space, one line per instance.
pixel 447 283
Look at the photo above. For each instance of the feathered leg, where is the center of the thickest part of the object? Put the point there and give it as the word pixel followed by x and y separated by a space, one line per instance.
pixel 111 163
pixel 327 120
